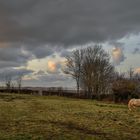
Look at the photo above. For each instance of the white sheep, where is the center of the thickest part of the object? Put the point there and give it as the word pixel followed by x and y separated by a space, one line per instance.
pixel 133 103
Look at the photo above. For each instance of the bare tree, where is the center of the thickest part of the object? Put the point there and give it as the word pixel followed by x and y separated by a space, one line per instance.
pixel 19 82
pixel 91 68
pixel 119 76
pixel 8 82
pixel 73 66
pixel 131 73
pixel 97 71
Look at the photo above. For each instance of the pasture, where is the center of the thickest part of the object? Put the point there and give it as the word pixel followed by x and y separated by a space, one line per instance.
pixel 25 117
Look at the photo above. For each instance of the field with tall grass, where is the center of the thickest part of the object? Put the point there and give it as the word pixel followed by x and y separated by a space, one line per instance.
pixel 25 117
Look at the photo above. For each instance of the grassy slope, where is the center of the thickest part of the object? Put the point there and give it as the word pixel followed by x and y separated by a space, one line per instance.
pixel 24 117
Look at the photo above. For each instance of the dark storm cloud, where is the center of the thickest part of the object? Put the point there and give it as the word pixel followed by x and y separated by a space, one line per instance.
pixel 13 55
pixel 39 50
pixel 17 54
pixel 37 28
pixel 68 21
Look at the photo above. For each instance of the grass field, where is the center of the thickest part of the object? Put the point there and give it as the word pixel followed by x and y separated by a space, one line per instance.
pixel 25 117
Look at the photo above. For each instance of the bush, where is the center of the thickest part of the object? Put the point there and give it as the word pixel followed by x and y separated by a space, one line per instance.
pixel 125 89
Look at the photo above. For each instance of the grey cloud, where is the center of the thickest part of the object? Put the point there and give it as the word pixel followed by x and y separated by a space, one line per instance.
pixel 39 50
pixel 17 54
pixel 47 79
pixel 13 55
pixel 117 44
pixel 136 51
pixel 68 21
pixel 13 73
pixel 40 26
pixel 65 53
pixel 51 80
pixel 8 64
pixel 41 72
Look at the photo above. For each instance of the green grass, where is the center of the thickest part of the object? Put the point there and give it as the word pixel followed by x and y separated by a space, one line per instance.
pixel 25 117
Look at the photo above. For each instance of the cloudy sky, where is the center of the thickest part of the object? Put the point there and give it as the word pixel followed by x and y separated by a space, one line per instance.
pixel 36 35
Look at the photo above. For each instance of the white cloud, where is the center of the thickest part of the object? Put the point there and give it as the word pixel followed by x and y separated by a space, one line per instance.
pixel 117 55
pixel 137 70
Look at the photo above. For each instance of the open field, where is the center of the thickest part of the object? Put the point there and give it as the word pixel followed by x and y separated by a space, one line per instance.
pixel 25 117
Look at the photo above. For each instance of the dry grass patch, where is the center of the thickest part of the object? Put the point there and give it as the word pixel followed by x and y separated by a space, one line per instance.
pixel 25 117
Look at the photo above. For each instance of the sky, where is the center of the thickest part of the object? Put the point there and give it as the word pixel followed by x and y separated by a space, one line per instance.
pixel 36 35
